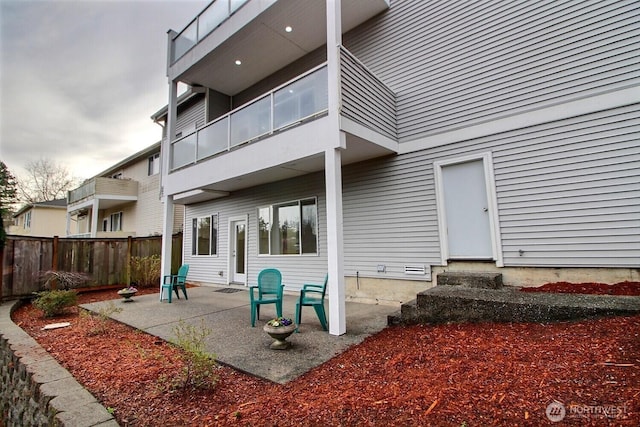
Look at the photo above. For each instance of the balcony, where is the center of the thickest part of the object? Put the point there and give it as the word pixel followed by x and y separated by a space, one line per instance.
pixel 292 103
pixel 210 18
pixel 264 35
pixel 109 192
pixel 283 133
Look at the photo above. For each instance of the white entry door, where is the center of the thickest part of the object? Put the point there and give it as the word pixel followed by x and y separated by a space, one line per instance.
pixel 238 259
pixel 467 221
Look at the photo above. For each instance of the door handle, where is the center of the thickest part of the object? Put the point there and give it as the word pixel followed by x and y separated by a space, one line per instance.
pixel 485 209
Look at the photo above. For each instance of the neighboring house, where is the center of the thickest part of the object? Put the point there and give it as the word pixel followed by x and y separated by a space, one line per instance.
pixel 41 219
pixel 122 201
pixel 383 142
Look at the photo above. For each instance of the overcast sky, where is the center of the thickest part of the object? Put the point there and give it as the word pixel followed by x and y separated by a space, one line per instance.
pixel 79 79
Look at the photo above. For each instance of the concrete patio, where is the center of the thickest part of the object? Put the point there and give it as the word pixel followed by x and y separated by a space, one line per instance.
pixel 226 311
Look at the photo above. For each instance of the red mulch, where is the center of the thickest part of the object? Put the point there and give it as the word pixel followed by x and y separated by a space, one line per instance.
pixel 621 288
pixel 446 375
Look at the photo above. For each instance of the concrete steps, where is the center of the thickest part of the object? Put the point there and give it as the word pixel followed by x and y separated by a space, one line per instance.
pixel 477 297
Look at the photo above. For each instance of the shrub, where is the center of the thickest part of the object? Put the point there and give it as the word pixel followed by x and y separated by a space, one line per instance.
pixel 53 303
pixel 145 271
pixel 200 366
pixel 99 321
pixel 66 279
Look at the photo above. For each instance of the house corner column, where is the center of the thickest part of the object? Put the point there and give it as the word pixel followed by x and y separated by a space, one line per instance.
pixel 95 210
pixel 335 248
pixel 68 227
pixel 167 237
pixel 333 175
pixel 167 199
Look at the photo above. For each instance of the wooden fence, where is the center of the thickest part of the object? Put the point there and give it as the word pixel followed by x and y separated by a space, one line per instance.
pixel 105 261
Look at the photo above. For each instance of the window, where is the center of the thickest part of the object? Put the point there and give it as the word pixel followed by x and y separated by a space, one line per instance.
pixel 116 221
pixel 154 164
pixel 27 220
pixel 205 236
pixel 288 228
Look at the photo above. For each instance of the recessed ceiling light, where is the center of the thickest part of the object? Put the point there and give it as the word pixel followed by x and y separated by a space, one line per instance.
pixel 238 62
pixel 288 29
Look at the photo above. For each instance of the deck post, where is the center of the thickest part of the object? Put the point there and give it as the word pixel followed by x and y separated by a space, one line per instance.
pixel 167 199
pixel 333 175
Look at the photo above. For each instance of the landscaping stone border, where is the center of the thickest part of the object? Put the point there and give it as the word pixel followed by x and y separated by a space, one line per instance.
pixel 36 390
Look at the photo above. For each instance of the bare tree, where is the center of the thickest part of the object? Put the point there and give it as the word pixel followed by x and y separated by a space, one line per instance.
pixel 45 181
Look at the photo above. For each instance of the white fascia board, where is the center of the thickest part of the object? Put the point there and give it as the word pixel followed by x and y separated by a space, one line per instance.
pixel 614 99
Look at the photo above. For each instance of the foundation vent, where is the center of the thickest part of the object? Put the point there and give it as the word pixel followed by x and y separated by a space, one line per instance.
pixel 418 270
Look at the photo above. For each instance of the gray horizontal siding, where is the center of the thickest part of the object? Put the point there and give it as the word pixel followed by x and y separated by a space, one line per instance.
pixel 568 196
pixel 452 64
pixel 191 117
pixel 390 217
pixel 365 99
pixel 569 192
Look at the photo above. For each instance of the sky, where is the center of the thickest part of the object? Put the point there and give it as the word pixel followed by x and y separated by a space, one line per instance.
pixel 79 79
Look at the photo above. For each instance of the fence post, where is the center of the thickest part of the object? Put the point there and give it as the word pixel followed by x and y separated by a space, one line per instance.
pixel 129 251
pixel 1 268
pixel 54 261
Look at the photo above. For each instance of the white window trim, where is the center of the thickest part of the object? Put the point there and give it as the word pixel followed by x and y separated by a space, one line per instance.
pixel 194 248
pixel 111 230
pixel 492 199
pixel 230 237
pixel 27 220
pixel 270 207
pixel 152 161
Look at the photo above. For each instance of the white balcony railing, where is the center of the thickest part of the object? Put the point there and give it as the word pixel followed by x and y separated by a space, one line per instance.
pixel 212 16
pixel 291 103
pixel 79 235
pixel 102 185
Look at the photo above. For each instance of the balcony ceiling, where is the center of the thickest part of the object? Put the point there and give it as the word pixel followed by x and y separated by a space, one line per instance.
pixel 264 46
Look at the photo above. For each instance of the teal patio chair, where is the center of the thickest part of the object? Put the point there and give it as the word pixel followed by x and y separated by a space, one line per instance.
pixel 174 282
pixel 270 289
pixel 312 295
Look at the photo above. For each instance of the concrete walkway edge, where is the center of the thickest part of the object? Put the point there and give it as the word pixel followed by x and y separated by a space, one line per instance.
pixel 36 390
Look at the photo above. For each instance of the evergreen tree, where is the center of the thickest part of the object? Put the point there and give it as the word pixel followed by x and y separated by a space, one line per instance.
pixel 8 193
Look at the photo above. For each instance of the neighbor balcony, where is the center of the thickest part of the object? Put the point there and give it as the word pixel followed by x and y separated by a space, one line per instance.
pixel 109 191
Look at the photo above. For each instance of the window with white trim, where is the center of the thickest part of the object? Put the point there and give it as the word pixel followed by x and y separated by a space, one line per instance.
pixel 288 228
pixel 27 220
pixel 205 235
pixel 154 164
pixel 115 221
